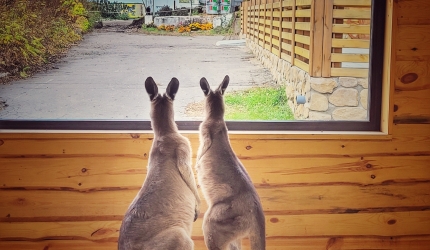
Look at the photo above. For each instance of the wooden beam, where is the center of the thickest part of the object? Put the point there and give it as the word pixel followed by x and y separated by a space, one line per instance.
pixel 293 31
pixel 327 39
pixel 316 36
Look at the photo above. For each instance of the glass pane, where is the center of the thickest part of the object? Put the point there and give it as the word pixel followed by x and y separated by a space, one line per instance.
pixel 283 67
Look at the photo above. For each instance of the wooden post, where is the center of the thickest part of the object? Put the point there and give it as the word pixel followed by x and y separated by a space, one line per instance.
pixel 316 38
pixel 293 31
pixel 280 28
pixel 242 17
pixel 258 23
pixel 253 4
pixel 246 18
pixel 327 40
pixel 271 27
pixel 337 50
pixel 264 25
pixel 256 11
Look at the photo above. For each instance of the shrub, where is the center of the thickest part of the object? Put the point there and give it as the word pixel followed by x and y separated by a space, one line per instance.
pixel 33 31
pixel 151 25
pixel 122 16
pixel 165 11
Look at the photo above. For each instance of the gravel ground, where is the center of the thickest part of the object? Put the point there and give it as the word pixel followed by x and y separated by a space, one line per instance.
pixel 103 76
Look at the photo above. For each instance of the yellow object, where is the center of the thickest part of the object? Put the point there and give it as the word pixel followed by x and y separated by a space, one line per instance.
pixel 134 10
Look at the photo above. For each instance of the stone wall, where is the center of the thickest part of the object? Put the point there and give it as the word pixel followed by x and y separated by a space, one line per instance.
pixel 333 98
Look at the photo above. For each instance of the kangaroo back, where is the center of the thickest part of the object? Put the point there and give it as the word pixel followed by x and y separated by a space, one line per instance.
pixel 162 213
pixel 234 208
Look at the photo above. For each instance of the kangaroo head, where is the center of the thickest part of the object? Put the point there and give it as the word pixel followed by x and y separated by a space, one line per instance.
pixel 162 114
pixel 214 102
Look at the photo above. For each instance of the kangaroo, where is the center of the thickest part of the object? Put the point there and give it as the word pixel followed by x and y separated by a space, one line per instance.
pixel 234 208
pixel 162 213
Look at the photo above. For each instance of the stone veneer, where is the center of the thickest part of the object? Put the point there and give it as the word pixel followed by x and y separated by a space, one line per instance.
pixel 332 98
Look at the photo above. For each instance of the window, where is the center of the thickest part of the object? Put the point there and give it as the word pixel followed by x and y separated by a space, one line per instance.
pixel 377 24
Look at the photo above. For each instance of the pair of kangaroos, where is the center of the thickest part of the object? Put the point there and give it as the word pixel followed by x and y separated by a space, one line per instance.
pixel 161 215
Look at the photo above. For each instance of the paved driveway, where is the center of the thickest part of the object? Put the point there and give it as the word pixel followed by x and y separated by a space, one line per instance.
pixel 103 77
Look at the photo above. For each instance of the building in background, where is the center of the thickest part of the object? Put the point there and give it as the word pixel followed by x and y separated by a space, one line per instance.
pixel 134 9
pixel 173 4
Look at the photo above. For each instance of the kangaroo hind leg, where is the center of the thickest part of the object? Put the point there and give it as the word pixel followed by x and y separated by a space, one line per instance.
pixel 222 227
pixel 236 245
pixel 175 238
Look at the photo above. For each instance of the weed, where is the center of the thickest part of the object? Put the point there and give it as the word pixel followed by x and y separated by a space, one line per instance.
pixel 262 103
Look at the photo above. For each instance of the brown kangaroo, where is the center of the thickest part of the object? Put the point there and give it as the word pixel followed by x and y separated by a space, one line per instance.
pixel 234 208
pixel 161 215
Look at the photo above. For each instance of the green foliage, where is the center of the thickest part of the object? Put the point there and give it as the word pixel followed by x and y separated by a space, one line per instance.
pixel 76 8
pixel 220 31
pixel 263 103
pixel 33 31
pixel 110 9
pixel 122 16
pixel 93 17
pixel 165 11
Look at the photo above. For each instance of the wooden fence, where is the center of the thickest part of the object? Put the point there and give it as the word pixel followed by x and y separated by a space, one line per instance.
pixel 318 36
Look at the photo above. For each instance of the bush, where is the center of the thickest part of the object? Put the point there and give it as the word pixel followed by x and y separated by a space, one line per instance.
pixel 165 11
pixel 122 16
pixel 182 12
pixel 33 31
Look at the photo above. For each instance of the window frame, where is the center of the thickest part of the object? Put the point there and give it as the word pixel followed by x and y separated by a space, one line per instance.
pixel 376 66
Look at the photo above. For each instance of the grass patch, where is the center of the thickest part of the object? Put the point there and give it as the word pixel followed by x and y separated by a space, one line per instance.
pixel 262 103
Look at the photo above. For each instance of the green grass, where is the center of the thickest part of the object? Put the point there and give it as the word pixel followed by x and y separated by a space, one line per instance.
pixel 263 103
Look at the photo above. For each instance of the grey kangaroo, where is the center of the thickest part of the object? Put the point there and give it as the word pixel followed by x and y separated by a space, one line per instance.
pixel 234 208
pixel 161 215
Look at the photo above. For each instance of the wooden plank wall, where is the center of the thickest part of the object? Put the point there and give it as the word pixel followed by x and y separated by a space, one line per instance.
pixel 70 191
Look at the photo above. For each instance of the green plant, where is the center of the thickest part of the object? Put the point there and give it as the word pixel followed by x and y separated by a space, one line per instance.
pixel 93 17
pixel 165 11
pixel 195 12
pixel 33 31
pixel 108 9
pixel 24 71
pixel 219 31
pixel 122 16
pixel 262 103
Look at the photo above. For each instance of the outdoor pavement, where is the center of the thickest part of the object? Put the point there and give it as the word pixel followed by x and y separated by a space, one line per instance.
pixel 103 77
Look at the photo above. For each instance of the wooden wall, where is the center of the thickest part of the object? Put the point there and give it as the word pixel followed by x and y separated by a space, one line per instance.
pixel 319 192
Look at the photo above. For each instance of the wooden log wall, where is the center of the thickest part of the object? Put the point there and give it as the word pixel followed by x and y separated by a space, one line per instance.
pixel 319 192
pixel 311 34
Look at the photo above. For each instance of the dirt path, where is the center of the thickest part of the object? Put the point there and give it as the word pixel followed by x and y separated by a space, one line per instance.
pixel 103 77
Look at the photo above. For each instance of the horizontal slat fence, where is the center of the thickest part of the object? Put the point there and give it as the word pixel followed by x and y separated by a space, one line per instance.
pixel 323 37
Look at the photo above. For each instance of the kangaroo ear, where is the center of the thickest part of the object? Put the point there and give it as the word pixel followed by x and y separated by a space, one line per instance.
pixel 151 88
pixel 223 86
pixel 205 86
pixel 172 88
